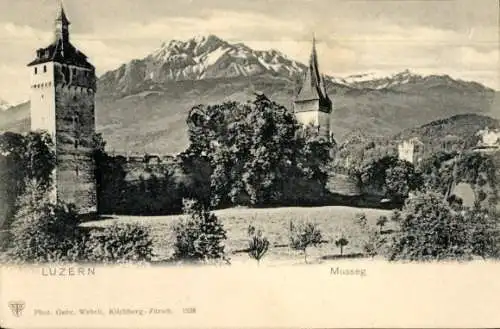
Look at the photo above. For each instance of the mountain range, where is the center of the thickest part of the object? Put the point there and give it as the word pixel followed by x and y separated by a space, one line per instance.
pixel 142 105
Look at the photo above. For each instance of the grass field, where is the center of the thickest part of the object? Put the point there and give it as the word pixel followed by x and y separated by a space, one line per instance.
pixel 275 222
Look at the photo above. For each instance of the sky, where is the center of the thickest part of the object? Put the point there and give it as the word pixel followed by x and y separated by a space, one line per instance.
pixel 455 37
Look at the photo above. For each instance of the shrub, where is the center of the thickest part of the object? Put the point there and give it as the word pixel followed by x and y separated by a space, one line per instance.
pixel 258 244
pixel 361 220
pixel 484 232
pixel 201 236
pixel 396 216
pixel 381 221
pixel 341 243
pixel 430 229
pixel 370 246
pixel 303 236
pixel 375 243
pixel 42 231
pixel 119 243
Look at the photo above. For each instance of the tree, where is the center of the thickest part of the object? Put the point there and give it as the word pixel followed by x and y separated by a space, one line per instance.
pixel 437 171
pixel 483 226
pixel 381 221
pixel 393 177
pixel 258 244
pixel 341 243
pixel 257 151
pixel 430 229
pixel 304 235
pixel 40 157
pixel 375 243
pixel 478 170
pixel 23 158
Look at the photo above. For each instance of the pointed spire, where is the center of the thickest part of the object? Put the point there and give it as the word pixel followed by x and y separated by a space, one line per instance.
pixel 314 45
pixel 313 64
pixel 61 25
pixel 62 15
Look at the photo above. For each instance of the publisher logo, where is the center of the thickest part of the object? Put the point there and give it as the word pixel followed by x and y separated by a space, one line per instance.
pixel 17 307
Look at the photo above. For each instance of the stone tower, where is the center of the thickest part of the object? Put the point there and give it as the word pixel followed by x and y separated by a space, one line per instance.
pixel 63 85
pixel 312 104
pixel 411 150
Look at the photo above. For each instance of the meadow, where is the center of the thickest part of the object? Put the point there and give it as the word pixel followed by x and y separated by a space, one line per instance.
pixel 333 221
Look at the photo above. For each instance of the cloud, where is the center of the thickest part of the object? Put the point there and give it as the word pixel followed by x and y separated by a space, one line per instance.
pixel 14 84
pixel 15 32
pixel 220 22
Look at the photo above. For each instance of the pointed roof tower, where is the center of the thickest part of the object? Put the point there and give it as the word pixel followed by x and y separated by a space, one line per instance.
pixel 61 50
pixel 313 86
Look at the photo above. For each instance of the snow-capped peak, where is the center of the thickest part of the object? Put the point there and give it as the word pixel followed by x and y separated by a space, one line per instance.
pixel 373 80
pixel 202 57
pixel 208 57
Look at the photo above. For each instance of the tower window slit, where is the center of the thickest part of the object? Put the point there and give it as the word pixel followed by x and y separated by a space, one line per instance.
pixel 44 68
pixel 36 70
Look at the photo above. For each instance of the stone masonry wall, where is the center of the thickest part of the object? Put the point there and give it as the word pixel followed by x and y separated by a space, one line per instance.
pixel 75 122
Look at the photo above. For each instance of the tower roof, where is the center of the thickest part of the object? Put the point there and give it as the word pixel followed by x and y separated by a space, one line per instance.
pixel 61 50
pixel 313 86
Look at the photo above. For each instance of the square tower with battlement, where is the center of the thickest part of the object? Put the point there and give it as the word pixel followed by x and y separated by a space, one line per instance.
pixel 63 85
pixel 312 106
pixel 411 150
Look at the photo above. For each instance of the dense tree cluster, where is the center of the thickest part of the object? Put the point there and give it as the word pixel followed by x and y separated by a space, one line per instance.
pixel 429 228
pixel 444 170
pixel 258 153
pixel 391 177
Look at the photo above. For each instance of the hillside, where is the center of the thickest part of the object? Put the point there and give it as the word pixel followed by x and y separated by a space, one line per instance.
pixel 463 126
pixel 142 105
pixel 16 118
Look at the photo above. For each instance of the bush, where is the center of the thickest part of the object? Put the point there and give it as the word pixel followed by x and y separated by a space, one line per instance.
pixel 119 243
pixel 484 232
pixel 376 243
pixel 430 229
pixel 201 236
pixel 381 221
pixel 361 220
pixel 42 231
pixel 303 236
pixel 258 244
